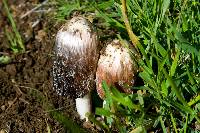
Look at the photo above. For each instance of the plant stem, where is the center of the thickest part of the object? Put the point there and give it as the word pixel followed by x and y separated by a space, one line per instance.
pixel 173 122
pixel 132 36
pixel 195 100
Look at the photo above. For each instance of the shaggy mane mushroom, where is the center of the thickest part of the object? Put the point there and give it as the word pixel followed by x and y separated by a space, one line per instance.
pixel 116 67
pixel 76 56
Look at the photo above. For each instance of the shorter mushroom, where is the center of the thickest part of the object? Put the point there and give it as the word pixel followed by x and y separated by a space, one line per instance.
pixel 115 67
pixel 76 56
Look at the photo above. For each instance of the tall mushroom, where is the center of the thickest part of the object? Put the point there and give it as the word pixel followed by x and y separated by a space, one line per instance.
pixel 115 67
pixel 76 56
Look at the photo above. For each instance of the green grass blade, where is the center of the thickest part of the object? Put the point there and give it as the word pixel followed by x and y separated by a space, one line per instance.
pixel 16 39
pixel 175 63
pixel 162 125
pixel 191 79
pixel 108 98
pixel 194 100
pixel 173 122
pixel 126 101
pixel 174 87
pixel 185 125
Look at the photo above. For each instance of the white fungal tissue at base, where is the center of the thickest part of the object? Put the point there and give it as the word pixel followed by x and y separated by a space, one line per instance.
pixel 83 106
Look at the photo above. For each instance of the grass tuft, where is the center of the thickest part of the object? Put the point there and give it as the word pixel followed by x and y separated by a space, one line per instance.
pixel 166 36
pixel 14 37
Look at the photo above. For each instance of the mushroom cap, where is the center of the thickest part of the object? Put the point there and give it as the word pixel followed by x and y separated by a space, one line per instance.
pixel 76 55
pixel 115 67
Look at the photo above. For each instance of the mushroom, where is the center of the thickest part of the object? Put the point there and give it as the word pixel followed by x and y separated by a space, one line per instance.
pixel 74 67
pixel 115 67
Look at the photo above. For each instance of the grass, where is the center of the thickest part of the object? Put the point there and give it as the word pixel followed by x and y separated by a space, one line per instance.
pixel 13 36
pixel 166 35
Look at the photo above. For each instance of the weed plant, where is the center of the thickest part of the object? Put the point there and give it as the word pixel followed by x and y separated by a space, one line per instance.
pixel 166 35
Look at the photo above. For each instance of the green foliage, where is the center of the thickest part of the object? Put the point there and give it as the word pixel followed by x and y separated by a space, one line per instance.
pixel 65 8
pixel 170 65
pixel 124 113
pixel 14 37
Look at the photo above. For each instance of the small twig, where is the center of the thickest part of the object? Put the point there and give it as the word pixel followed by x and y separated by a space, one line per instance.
pixel 38 83
pixel 35 23
pixel 57 109
pixel 19 92
pixel 10 104
pixel 43 10
pixel 4 53
pixel 18 97
pixel 23 100
pixel 26 87
pixel 35 8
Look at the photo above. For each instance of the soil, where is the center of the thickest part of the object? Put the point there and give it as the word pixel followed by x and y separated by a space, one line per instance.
pixel 26 95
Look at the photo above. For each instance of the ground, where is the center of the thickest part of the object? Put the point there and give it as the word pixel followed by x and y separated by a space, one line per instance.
pixel 26 94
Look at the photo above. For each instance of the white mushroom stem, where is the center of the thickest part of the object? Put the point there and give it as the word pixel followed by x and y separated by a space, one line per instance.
pixel 83 106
